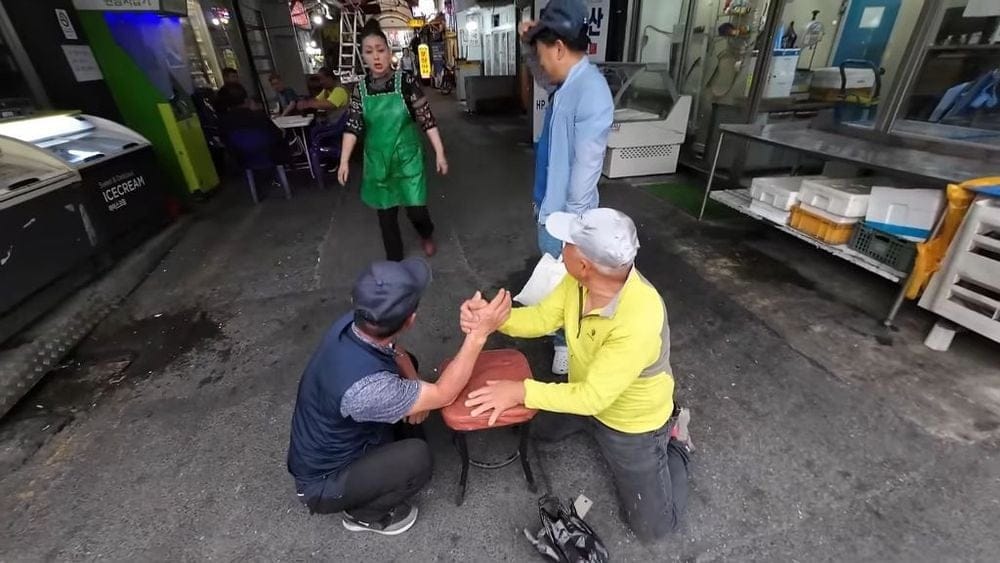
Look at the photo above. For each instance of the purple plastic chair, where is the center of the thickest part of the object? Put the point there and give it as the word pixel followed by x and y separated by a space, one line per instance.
pixel 254 149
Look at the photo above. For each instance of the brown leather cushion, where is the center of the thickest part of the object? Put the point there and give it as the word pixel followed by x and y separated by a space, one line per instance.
pixel 492 365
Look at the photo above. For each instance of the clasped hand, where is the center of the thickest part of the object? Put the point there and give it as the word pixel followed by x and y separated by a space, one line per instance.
pixel 496 396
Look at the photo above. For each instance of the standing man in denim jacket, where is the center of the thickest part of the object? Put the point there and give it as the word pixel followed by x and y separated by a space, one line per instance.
pixel 578 117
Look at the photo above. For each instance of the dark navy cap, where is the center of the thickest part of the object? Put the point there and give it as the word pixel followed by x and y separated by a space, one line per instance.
pixel 565 17
pixel 388 292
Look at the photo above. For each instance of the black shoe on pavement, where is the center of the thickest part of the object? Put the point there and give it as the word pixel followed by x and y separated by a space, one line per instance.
pixel 397 521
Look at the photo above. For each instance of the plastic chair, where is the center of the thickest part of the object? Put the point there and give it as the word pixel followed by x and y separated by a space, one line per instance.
pixel 492 365
pixel 253 149
pixel 325 143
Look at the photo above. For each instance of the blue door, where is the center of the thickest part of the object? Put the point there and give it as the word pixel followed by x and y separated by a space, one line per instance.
pixel 867 27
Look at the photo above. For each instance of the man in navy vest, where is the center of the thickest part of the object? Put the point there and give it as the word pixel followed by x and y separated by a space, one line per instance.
pixel 358 384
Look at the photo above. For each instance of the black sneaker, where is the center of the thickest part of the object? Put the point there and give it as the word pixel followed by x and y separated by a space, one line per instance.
pixel 397 521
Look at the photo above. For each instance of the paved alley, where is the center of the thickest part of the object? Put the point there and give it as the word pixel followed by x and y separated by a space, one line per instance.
pixel 819 438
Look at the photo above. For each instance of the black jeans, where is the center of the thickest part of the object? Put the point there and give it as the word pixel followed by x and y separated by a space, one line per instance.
pixel 376 483
pixel 392 238
pixel 650 470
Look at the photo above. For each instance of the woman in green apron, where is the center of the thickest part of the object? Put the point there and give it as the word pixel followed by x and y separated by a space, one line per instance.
pixel 388 108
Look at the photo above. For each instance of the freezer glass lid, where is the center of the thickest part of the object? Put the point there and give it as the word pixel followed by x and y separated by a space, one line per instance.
pixel 39 129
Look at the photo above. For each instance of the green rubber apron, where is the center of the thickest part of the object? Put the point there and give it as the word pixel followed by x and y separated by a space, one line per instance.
pixel 394 156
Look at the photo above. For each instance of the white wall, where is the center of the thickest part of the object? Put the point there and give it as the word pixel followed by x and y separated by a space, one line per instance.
pixel 662 14
pixel 800 12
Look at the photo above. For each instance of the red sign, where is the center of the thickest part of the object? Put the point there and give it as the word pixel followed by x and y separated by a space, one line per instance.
pixel 300 17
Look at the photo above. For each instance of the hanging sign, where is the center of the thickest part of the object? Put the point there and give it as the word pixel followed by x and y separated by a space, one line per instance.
pixel 597 29
pixel 65 24
pixel 424 56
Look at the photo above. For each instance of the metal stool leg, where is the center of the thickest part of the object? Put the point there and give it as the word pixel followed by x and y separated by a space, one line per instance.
pixel 463 452
pixel 522 450
pixel 253 185
pixel 283 179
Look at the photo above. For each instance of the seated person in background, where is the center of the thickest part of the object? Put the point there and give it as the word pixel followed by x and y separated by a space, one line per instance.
pixel 620 388
pixel 314 85
pixel 359 382
pixel 242 117
pixel 332 100
pixel 230 76
pixel 287 98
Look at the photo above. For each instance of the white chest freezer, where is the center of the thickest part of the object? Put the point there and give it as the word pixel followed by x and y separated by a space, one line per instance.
pixel 44 228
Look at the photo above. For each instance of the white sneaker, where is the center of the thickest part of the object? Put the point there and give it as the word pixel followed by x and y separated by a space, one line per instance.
pixel 560 360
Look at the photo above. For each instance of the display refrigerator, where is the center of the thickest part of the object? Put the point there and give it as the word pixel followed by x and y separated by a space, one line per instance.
pixel 45 230
pixel 123 189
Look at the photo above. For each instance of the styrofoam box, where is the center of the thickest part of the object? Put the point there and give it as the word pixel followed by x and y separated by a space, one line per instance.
pixel 846 197
pixel 831 217
pixel 781 192
pixel 769 212
pixel 829 78
pixel 907 213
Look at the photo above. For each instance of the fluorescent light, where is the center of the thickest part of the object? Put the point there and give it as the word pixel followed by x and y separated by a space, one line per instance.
pixel 312 44
pixel 216 22
pixel 35 129
pixel 318 19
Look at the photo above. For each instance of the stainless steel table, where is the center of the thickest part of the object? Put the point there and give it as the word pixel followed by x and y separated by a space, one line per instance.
pixel 896 161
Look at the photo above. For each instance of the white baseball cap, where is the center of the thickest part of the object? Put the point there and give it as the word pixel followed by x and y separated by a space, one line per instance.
pixel 605 236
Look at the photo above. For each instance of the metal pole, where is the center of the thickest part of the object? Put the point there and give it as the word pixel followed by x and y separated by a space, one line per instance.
pixel 760 75
pixel 711 175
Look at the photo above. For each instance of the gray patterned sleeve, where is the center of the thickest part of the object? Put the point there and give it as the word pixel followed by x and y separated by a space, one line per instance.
pixel 380 397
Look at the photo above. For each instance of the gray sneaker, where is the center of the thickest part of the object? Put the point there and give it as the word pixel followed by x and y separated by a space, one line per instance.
pixel 397 521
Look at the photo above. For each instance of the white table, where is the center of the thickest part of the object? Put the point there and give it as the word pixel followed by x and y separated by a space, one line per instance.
pixel 298 125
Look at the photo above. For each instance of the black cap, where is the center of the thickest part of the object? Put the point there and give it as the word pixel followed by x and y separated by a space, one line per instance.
pixel 388 292
pixel 564 17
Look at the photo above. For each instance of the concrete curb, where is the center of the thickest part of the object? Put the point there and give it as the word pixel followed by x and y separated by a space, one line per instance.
pixel 56 334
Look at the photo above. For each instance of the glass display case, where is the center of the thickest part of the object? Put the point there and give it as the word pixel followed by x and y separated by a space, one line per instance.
pixel 651 119
pixel 953 95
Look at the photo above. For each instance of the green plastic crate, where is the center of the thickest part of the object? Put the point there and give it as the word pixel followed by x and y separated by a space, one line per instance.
pixel 887 249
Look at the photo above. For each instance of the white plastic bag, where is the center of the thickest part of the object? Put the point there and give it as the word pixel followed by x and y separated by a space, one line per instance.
pixel 549 273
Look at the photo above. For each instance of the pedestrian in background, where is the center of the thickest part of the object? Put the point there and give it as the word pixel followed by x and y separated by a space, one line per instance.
pixel 578 116
pixel 388 109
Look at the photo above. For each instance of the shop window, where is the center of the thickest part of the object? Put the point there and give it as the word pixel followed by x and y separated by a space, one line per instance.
pixel 954 94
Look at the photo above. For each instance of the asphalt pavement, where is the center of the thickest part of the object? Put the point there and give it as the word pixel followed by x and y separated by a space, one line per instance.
pixel 164 436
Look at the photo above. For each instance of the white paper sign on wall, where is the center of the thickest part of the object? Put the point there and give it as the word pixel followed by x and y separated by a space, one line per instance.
pixel 65 24
pixel 81 60
pixel 597 29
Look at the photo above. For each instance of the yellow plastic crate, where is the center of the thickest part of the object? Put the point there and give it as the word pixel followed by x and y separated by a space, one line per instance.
pixel 819 227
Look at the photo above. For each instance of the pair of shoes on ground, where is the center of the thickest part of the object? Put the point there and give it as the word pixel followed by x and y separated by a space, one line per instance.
pixel 397 521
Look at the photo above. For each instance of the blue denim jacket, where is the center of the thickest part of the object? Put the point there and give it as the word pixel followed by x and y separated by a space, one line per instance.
pixel 570 153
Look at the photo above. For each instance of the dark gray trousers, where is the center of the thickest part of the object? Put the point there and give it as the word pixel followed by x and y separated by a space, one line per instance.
pixel 650 470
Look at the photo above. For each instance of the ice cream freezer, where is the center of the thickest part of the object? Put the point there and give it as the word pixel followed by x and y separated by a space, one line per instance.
pixel 123 191
pixel 45 230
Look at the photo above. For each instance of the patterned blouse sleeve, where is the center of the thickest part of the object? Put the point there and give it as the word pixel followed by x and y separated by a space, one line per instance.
pixel 355 113
pixel 416 101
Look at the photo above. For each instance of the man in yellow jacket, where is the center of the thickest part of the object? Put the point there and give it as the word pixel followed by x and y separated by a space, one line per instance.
pixel 620 387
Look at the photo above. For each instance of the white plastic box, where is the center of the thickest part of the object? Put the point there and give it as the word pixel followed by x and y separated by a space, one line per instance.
pixel 831 217
pixel 906 213
pixel 771 213
pixel 781 192
pixel 845 197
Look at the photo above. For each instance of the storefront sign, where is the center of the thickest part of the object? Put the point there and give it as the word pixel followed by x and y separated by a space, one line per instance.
pixel 300 17
pixel 62 16
pixel 116 189
pixel 178 7
pixel 424 56
pixel 82 62
pixel 597 29
pixel 416 23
